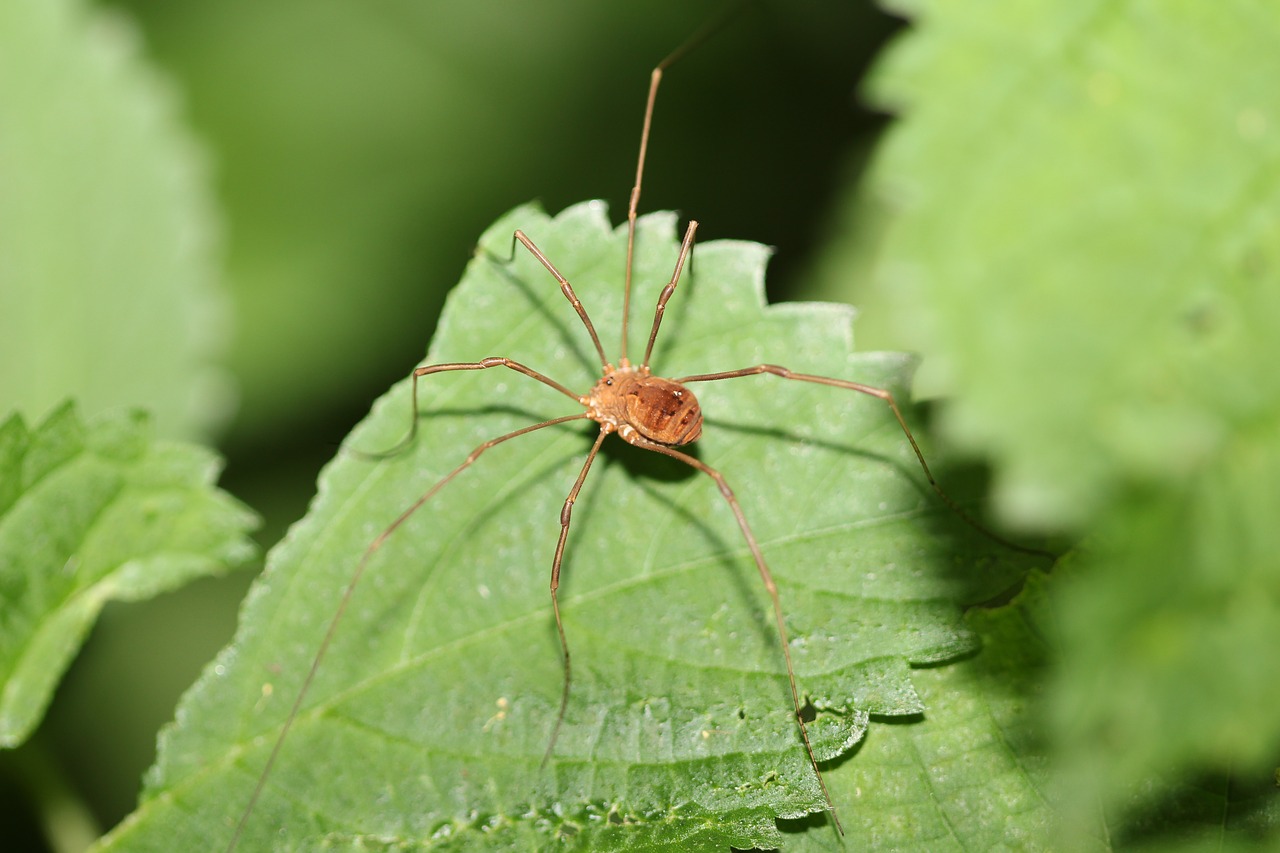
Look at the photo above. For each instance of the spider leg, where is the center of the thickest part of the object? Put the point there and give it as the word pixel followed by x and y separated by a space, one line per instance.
pixel 567 289
pixel 633 205
pixel 655 79
pixel 887 397
pixel 566 514
pixel 482 364
pixel 350 589
pixel 685 248
pixel 770 586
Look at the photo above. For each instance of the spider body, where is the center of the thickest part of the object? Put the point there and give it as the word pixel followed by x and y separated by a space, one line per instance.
pixel 638 405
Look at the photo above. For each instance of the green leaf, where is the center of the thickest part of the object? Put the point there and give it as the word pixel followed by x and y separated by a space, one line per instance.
pixel 973 773
pixel 1078 216
pixel 976 773
pixel 107 261
pixel 1080 200
pixel 91 513
pixel 1166 680
pixel 428 720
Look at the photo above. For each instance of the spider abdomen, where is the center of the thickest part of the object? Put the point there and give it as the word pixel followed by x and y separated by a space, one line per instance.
pixel 664 411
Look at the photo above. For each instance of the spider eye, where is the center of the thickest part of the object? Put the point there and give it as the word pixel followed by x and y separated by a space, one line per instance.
pixel 608 382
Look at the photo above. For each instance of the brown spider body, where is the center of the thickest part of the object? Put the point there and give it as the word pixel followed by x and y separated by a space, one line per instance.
pixel 638 405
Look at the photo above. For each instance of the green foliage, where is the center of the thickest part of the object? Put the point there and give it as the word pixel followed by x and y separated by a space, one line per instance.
pixel 1076 211
pixel 91 513
pixel 975 774
pixel 1099 213
pixel 429 717
pixel 1071 216
pixel 106 258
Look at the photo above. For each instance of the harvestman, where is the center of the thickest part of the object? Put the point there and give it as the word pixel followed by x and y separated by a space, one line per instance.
pixel 645 410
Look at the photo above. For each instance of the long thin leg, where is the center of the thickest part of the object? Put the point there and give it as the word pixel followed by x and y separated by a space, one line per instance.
pixel 346 599
pixel 887 397
pixel 482 364
pixel 566 513
pixel 770 586
pixel 685 248
pixel 567 289
pixel 655 79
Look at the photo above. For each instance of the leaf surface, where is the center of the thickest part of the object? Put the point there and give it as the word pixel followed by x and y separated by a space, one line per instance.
pixel 1077 205
pixel 89 513
pixel 1077 215
pixel 428 720
pixel 107 233
pixel 972 773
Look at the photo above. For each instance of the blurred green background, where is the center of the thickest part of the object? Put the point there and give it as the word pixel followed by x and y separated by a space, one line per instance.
pixel 354 152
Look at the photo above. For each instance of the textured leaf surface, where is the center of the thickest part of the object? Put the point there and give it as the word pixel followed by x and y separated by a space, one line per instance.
pixel 1082 209
pixel 90 513
pixel 972 773
pixel 429 718
pixel 106 233
pixel 976 772
pixel 1078 215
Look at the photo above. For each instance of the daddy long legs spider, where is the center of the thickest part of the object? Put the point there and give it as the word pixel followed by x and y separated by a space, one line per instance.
pixel 362 698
